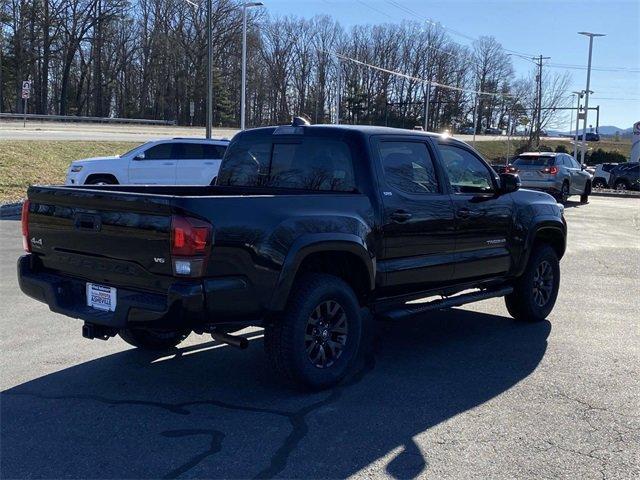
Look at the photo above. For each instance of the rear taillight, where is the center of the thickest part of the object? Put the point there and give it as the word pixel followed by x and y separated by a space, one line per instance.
pixel 551 170
pixel 190 245
pixel 25 226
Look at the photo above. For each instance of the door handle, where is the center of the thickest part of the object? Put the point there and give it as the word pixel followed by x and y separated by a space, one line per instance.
pixel 168 163
pixel 401 216
pixel 466 213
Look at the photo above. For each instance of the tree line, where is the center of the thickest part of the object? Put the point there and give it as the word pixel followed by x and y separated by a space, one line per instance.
pixel 147 59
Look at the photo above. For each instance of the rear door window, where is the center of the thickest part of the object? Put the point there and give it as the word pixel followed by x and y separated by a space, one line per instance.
pixel 189 151
pixel 408 166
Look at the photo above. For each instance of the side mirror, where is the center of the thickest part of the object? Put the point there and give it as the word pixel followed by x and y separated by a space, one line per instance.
pixel 583 166
pixel 509 183
pixel 139 156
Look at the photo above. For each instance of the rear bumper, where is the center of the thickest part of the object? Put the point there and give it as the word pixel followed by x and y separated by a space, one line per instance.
pixel 551 186
pixel 182 304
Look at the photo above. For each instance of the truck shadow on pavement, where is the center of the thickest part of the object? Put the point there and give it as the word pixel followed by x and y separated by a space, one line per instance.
pixel 213 411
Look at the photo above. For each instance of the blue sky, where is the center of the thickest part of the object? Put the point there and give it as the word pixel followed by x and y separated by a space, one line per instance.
pixel 544 27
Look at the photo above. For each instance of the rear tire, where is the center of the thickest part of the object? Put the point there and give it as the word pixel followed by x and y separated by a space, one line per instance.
pixel 317 338
pixel 621 185
pixel 536 291
pixel 563 195
pixel 584 198
pixel 150 339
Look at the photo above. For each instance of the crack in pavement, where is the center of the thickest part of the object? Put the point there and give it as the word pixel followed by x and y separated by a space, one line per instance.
pixel 278 461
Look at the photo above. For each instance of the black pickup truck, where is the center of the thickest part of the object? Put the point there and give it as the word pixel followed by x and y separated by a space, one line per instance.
pixel 305 227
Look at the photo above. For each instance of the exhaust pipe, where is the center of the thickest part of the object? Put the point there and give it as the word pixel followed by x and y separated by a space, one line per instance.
pixel 238 342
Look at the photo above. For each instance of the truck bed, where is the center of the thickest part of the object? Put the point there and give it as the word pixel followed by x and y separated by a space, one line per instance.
pixel 120 236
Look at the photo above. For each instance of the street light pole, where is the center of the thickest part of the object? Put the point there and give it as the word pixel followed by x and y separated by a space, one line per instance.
pixel 575 139
pixel 586 99
pixel 209 69
pixel 243 108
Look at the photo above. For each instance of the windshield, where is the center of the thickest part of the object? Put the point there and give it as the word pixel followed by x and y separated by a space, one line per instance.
pixel 134 149
pixel 533 161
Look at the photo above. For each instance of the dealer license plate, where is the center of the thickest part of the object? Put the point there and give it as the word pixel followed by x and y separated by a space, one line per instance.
pixel 101 297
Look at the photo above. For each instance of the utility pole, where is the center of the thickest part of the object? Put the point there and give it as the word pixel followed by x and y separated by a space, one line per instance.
pixel 209 109
pixel 538 119
pixel 583 150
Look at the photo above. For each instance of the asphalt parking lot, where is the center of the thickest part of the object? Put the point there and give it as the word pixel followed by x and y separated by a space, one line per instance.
pixel 464 393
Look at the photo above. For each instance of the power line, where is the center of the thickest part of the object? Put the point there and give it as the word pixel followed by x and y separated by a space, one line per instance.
pixel 599 69
pixel 416 79
pixel 617 98
pixel 456 32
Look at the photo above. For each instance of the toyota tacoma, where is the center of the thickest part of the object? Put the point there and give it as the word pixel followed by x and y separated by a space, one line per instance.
pixel 306 227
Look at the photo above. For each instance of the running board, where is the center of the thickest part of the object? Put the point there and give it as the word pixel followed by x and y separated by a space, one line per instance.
pixel 408 310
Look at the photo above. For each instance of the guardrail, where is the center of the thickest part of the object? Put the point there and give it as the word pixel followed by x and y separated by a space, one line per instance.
pixel 74 118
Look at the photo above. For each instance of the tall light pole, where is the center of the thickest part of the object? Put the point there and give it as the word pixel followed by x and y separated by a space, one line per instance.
pixel 209 68
pixel 243 108
pixel 575 139
pixel 586 99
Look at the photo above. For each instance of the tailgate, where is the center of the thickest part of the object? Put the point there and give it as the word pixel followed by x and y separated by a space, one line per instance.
pixel 532 172
pixel 116 238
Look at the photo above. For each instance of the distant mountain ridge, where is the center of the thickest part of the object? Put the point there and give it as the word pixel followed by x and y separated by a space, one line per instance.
pixel 603 130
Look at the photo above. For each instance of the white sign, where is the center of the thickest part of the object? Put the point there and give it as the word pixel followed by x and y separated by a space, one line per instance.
pixel 26 89
pixel 635 143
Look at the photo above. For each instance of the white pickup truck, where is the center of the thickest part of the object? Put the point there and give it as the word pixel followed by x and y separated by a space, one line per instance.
pixel 177 161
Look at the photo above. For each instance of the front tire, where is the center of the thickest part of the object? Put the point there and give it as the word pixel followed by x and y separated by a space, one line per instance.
pixel 151 339
pixel 536 291
pixel 599 184
pixel 317 338
pixel 101 180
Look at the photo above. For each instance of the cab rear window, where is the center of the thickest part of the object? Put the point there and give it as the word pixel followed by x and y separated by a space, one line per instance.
pixel 310 164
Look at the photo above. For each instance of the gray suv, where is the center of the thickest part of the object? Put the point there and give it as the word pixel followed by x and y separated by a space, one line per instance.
pixel 555 173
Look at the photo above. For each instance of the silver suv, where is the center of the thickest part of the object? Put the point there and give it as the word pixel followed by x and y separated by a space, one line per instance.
pixel 555 173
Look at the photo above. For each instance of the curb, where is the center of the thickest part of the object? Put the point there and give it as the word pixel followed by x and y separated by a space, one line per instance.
pixel 615 194
pixel 11 210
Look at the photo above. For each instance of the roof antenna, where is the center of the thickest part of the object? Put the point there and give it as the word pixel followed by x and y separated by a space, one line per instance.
pixel 300 121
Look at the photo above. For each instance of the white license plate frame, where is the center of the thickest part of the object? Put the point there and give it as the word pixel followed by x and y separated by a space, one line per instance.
pixel 101 297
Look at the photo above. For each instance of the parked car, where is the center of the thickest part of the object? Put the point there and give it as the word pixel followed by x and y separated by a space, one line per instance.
pixel 602 174
pixel 305 226
pixel 590 136
pixel 492 131
pixel 555 173
pixel 625 176
pixel 466 131
pixel 178 161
